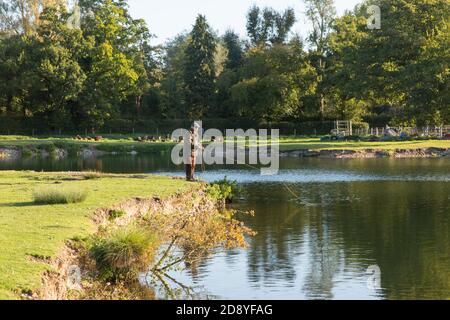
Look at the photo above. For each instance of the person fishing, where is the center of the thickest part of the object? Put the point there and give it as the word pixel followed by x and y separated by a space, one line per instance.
pixel 194 147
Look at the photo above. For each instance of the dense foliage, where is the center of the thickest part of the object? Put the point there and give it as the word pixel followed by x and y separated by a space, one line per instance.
pixel 84 77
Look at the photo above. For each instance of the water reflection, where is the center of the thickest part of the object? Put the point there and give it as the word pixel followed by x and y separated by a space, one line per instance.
pixel 322 249
pixel 347 215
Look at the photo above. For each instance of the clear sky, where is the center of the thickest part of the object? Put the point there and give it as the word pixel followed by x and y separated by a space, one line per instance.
pixel 167 18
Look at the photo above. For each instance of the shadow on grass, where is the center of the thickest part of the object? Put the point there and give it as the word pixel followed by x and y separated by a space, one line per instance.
pixel 28 204
pixel 19 204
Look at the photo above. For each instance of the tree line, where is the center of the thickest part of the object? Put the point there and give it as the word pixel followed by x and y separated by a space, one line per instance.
pixel 106 69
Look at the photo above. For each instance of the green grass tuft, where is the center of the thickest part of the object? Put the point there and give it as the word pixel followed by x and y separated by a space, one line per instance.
pixel 90 175
pixel 115 214
pixel 124 253
pixel 58 195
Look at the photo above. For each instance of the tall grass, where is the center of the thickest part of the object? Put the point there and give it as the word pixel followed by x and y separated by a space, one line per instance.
pixel 59 195
pixel 92 175
pixel 124 252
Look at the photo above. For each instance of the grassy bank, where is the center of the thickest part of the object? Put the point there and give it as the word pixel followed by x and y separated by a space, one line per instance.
pixel 31 233
pixel 113 143
pixel 124 144
pixel 287 144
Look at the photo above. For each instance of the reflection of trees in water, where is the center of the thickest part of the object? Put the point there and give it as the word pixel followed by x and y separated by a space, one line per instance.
pixel 404 227
pixel 325 250
pixel 283 232
pixel 325 255
pixel 272 253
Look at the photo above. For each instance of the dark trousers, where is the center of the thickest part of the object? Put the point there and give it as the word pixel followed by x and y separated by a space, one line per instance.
pixel 190 170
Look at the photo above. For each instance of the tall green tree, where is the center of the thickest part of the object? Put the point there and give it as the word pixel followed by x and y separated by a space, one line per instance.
pixel 172 84
pixel 346 98
pixel 273 82
pixel 321 14
pixel 229 76
pixel 115 61
pixel 234 47
pixel 15 67
pixel 267 26
pixel 57 73
pixel 23 16
pixel 200 69
pixel 403 65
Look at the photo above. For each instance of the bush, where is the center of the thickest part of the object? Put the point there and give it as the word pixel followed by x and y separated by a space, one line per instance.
pixel 48 147
pixel 223 189
pixel 360 126
pixel 353 138
pixel 92 175
pixel 59 195
pixel 124 253
pixel 71 148
pixel 115 214
pixel 26 152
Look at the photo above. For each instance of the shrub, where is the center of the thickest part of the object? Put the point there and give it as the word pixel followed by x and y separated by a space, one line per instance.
pixel 92 175
pixel 388 139
pixel 115 214
pixel 223 189
pixel 48 147
pixel 124 253
pixel 71 148
pixel 59 195
pixel 213 190
pixel 353 138
pixel 26 152
pixel 360 126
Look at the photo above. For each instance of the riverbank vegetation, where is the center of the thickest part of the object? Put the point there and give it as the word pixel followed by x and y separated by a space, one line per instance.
pixel 224 190
pixel 29 146
pixel 131 257
pixel 31 234
pixel 128 231
pixel 109 144
pixel 318 144
pixel 106 76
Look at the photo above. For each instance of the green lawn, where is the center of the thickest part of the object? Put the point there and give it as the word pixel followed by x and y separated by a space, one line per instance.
pixel 114 143
pixel 28 230
pixel 120 143
pixel 315 144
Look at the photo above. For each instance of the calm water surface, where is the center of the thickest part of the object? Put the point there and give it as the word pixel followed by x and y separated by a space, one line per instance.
pixel 321 223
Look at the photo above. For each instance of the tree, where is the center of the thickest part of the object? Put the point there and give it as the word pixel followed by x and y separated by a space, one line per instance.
pixel 347 99
pixel 59 77
pixel 154 67
pixel 321 14
pixel 15 77
pixel 229 76
pixel 172 84
pixel 114 64
pixel 268 26
pixel 23 16
pixel 272 84
pixel 234 47
pixel 403 65
pixel 199 69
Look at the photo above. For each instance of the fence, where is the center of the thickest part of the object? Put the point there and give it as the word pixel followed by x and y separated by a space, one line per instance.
pixel 160 127
pixel 428 131
pixel 163 127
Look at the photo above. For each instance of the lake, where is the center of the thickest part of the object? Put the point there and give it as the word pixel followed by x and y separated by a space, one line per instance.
pixel 321 224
